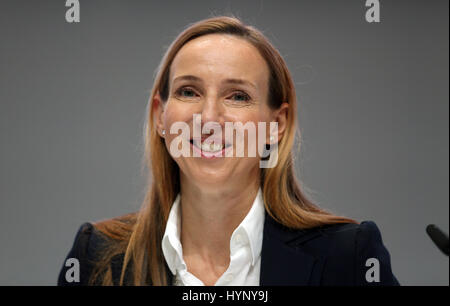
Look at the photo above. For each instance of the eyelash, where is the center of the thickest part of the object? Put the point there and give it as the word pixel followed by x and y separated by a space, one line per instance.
pixel 180 90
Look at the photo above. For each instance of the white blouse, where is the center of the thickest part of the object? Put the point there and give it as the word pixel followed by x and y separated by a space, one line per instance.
pixel 245 249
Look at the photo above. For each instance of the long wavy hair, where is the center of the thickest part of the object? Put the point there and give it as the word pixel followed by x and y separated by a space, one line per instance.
pixel 138 236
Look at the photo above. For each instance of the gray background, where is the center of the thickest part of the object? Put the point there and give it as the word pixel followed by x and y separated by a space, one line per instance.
pixel 373 109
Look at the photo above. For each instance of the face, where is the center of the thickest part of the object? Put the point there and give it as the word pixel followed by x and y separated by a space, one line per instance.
pixel 219 78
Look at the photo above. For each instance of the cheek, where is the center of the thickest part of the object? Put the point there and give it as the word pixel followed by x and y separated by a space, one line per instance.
pixel 245 116
pixel 252 146
pixel 176 122
pixel 174 113
pixel 254 117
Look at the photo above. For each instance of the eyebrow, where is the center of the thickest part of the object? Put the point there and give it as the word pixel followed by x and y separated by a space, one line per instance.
pixel 226 81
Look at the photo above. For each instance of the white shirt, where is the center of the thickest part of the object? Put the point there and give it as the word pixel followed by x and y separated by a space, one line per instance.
pixel 245 249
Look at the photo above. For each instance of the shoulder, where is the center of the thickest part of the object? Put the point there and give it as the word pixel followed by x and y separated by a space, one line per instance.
pixel 345 235
pixel 80 260
pixel 89 244
pixel 353 239
pixel 352 254
pixel 336 236
pixel 75 270
pixel 339 254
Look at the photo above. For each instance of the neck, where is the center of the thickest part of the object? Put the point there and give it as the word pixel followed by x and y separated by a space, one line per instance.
pixel 209 217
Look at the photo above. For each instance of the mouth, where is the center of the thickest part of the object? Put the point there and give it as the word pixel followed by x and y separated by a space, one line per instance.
pixel 210 148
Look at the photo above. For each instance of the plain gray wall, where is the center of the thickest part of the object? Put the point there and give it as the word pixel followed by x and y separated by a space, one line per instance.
pixel 373 110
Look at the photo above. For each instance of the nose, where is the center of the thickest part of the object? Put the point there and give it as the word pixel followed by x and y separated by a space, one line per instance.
pixel 212 110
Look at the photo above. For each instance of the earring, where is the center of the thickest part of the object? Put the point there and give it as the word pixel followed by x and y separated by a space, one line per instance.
pixel 163 132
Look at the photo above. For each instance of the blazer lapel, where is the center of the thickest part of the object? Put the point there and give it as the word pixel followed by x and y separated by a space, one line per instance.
pixel 283 262
pixel 116 266
pixel 169 275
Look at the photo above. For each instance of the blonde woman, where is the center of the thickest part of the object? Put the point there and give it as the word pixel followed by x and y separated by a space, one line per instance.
pixel 222 219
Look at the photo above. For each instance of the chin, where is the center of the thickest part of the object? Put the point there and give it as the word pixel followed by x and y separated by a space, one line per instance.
pixel 215 173
pixel 208 178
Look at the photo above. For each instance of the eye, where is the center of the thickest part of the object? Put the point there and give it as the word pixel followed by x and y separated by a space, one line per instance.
pixel 241 97
pixel 185 92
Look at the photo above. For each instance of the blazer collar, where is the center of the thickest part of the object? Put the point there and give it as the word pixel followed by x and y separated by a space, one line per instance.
pixel 169 275
pixel 283 261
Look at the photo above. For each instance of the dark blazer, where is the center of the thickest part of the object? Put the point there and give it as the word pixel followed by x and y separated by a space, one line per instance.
pixel 332 255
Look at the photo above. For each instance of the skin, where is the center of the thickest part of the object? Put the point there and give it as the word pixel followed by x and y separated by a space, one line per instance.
pixel 216 193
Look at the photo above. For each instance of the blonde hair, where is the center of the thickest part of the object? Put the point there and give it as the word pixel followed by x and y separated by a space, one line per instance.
pixel 138 235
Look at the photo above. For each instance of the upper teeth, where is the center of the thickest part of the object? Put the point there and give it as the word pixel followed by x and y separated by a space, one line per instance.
pixel 210 147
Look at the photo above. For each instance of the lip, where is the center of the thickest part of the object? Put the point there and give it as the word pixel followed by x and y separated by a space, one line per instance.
pixel 210 155
pixel 211 140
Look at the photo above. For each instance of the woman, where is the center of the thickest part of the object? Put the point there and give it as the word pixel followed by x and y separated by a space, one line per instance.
pixel 218 218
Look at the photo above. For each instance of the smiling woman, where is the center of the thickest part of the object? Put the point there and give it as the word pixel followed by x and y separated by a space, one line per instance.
pixel 225 220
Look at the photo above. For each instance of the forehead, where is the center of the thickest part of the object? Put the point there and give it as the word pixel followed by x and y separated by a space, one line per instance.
pixel 221 56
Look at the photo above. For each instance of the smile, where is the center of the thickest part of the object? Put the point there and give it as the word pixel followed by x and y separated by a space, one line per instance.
pixel 209 149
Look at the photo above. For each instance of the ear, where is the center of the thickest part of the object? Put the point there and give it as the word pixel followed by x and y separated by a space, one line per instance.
pixel 158 113
pixel 279 116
